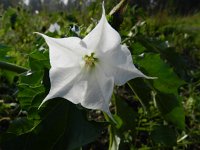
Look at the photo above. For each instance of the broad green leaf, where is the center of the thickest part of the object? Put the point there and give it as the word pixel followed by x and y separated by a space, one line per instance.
pixel 125 112
pixel 30 83
pixel 39 60
pixel 142 91
pixel 166 87
pixel 63 126
pixel 169 54
pixel 175 60
pixel 20 125
pixel 168 81
pixel 171 108
pixel 27 94
pixel 164 135
pixel 149 43
pixel 32 78
pixel 137 48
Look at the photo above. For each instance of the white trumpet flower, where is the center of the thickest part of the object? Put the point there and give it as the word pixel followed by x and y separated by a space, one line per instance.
pixel 84 71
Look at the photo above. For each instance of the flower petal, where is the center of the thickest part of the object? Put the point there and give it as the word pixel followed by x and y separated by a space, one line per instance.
pixel 64 52
pixel 62 80
pixel 119 64
pixel 99 91
pixel 103 37
pixel 91 89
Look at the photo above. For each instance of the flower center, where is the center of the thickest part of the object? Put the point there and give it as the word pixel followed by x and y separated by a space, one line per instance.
pixel 90 60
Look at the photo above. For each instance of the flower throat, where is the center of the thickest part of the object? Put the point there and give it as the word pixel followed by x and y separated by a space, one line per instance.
pixel 90 60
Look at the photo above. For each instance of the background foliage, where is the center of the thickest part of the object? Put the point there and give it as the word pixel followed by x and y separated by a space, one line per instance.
pixel 150 114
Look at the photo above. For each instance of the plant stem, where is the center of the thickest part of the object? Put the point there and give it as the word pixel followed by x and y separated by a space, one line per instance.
pixel 12 67
pixel 144 107
pixel 117 7
pixel 117 14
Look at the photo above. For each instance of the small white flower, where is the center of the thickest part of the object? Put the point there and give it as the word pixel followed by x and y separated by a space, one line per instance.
pixel 65 2
pixel 37 12
pixel 26 2
pixel 84 71
pixel 54 27
pixel 75 29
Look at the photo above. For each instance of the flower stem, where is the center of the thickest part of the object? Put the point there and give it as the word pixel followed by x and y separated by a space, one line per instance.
pixel 12 67
pixel 117 14
pixel 117 7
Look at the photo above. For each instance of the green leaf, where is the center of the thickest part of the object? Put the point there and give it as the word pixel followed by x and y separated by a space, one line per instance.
pixel 168 81
pixel 32 78
pixel 39 60
pixel 137 48
pixel 171 108
pixel 27 94
pixel 31 82
pixel 125 112
pixel 142 91
pixel 166 87
pixel 175 60
pixel 164 135
pixel 63 126
pixel 20 125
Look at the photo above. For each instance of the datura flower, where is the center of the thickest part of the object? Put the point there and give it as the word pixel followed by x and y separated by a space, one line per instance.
pixel 84 71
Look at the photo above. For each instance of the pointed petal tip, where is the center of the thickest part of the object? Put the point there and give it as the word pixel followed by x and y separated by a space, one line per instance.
pixel 40 106
pixel 43 35
pixel 42 103
pixel 140 74
pixel 151 77
pixel 103 8
pixel 38 33
pixel 110 116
